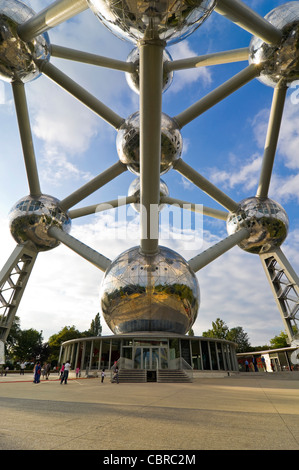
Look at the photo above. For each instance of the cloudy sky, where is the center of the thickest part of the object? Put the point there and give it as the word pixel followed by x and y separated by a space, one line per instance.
pixel 73 145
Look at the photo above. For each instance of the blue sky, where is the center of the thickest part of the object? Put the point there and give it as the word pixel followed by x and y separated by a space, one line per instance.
pixel 225 145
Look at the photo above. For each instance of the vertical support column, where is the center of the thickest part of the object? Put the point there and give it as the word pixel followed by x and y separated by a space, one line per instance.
pixel 151 73
pixel 13 280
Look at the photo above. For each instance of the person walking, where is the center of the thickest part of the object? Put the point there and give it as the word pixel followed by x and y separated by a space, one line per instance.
pixel 103 376
pixel 37 372
pixel 67 368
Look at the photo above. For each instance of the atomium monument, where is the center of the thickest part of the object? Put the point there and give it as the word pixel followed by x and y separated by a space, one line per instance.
pixel 149 288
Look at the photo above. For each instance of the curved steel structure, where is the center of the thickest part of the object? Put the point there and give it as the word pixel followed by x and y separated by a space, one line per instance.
pixel 159 282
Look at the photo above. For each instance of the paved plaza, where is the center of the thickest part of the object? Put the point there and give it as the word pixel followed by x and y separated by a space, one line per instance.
pixel 241 412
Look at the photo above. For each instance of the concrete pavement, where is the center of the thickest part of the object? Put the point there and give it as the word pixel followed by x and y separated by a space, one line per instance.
pixel 240 412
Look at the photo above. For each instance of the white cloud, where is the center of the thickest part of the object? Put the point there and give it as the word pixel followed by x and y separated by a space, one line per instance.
pixel 183 78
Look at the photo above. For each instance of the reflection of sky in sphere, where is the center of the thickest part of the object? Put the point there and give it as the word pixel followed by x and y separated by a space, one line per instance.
pixel 133 77
pixel 267 221
pixel 16 56
pixel 128 143
pixel 30 219
pixel 134 190
pixel 164 19
pixel 280 61
pixel 158 293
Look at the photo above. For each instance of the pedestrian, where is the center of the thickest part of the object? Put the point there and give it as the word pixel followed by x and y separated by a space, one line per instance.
pixel 103 375
pixel 77 372
pixel 115 378
pixel 6 370
pixel 37 372
pixel 254 362
pixel 47 370
pixel 22 368
pixel 62 371
pixel 247 366
pixel 67 367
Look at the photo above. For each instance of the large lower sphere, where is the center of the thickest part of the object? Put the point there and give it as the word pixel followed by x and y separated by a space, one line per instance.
pixel 128 143
pixel 151 19
pixel 280 61
pixel 267 221
pixel 143 293
pixel 17 57
pixel 31 217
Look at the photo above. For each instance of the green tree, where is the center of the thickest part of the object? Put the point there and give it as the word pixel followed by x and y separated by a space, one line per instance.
pixel 95 326
pixel 55 341
pixel 28 345
pixel 237 335
pixel 219 330
pixel 280 341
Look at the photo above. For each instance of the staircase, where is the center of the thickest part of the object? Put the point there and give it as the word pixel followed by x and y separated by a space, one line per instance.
pixel 132 376
pixel 174 376
pixel 161 376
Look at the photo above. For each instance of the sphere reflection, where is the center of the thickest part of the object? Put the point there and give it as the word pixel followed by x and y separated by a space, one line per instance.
pixel 17 57
pixel 31 217
pixel 134 190
pixel 149 293
pixel 267 221
pixel 128 143
pixel 280 61
pixel 133 77
pixel 152 19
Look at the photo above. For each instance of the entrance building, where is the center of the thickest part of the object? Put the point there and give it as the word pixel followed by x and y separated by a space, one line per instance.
pixel 150 352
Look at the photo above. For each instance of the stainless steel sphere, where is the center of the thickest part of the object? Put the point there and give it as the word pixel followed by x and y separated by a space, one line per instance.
pixel 149 293
pixel 151 19
pixel 127 143
pixel 31 217
pixel 134 190
pixel 17 57
pixel 267 221
pixel 280 61
pixel 133 77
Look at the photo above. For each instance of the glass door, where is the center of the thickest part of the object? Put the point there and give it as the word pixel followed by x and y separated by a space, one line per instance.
pixel 150 358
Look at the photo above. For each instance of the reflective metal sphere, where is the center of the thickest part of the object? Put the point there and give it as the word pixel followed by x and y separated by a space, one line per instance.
pixel 134 190
pixel 133 77
pixel 149 293
pixel 16 56
pixel 151 19
pixel 280 61
pixel 267 221
pixel 31 217
pixel 127 143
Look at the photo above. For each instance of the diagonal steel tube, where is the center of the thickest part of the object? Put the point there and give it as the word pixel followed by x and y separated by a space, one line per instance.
pixel 80 248
pixel 26 137
pixel 53 15
pixel 92 59
pixel 103 206
pixel 279 96
pixel 81 94
pixel 225 57
pixel 205 185
pixel 93 185
pixel 217 214
pixel 151 72
pixel 209 255
pixel 239 13
pixel 217 95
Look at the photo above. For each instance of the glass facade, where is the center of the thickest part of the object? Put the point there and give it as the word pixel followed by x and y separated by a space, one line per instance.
pixel 150 353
